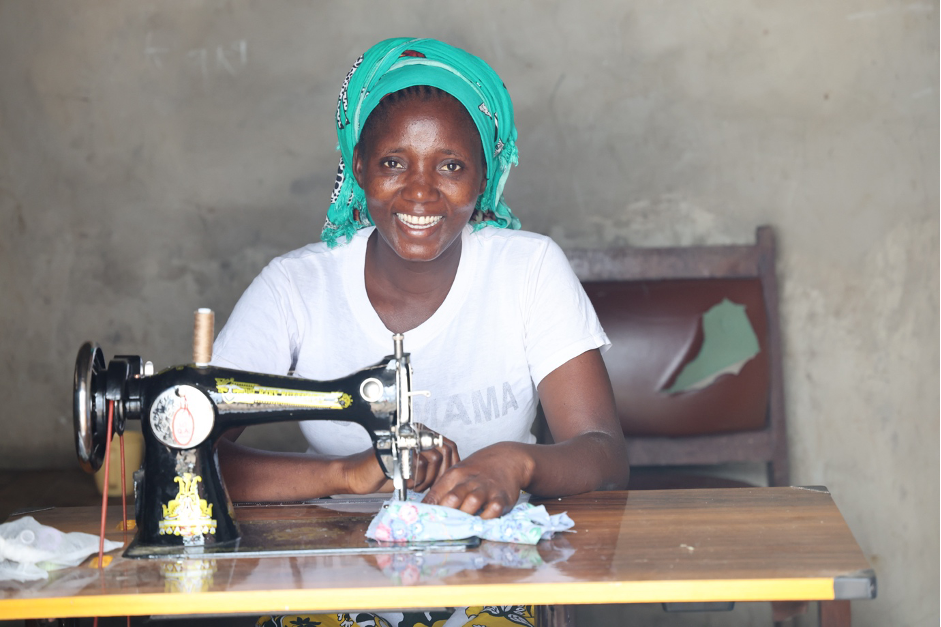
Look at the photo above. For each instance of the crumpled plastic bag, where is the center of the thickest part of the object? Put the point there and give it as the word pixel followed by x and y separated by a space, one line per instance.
pixel 28 549
pixel 414 521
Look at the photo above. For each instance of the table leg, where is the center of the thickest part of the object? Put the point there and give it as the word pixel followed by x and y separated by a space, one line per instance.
pixel 555 615
pixel 834 613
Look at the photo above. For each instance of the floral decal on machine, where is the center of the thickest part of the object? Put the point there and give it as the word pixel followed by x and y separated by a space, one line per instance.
pixel 187 515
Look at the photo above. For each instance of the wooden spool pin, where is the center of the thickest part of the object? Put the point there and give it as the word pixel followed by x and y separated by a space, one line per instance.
pixel 203 332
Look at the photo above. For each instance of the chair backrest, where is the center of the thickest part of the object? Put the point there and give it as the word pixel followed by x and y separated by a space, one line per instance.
pixel 651 302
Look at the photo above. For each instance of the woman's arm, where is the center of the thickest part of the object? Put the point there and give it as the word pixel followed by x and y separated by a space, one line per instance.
pixel 255 475
pixel 589 454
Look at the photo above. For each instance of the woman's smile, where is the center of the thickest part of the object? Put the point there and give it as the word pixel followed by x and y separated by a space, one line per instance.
pixel 418 222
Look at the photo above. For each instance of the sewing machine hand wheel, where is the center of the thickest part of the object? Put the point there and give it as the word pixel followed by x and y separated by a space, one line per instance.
pixel 89 407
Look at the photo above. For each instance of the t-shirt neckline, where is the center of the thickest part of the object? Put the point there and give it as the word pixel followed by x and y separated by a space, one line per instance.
pixel 366 315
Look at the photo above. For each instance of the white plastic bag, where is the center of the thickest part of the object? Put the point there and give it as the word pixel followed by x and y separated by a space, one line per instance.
pixel 28 549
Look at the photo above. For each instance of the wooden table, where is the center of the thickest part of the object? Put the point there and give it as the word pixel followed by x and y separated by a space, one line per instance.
pixel 676 546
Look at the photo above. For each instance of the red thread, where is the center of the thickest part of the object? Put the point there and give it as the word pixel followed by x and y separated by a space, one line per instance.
pixel 123 490
pixel 104 492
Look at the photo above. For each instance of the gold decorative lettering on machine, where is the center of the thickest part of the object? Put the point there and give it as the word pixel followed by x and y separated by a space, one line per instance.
pixel 187 514
pixel 233 391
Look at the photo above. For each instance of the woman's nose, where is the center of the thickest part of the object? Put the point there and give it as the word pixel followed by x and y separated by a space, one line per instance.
pixel 419 186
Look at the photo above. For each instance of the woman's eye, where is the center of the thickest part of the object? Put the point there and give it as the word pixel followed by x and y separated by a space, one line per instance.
pixel 452 167
pixel 392 164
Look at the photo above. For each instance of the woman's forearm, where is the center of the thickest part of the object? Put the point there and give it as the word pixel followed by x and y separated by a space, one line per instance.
pixel 255 475
pixel 586 462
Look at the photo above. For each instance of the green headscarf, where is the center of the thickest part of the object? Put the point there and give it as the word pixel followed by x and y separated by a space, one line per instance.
pixel 395 64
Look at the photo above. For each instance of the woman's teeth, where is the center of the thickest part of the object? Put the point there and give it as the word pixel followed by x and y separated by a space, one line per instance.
pixel 418 222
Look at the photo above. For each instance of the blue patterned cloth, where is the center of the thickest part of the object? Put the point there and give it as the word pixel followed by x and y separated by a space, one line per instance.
pixel 414 521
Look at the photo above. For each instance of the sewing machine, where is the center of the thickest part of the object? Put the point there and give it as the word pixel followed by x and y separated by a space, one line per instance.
pixel 181 500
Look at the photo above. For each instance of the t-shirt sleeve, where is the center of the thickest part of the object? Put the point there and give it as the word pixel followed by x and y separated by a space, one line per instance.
pixel 561 323
pixel 261 334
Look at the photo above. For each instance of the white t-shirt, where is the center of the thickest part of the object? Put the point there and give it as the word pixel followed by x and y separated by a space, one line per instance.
pixel 515 313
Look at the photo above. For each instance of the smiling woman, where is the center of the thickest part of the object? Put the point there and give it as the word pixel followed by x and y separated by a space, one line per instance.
pixel 419 241
pixel 422 175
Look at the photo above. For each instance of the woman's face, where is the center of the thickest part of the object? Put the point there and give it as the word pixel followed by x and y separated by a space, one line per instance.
pixel 422 173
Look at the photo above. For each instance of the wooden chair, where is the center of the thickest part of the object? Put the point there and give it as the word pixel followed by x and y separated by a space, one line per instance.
pixel 650 302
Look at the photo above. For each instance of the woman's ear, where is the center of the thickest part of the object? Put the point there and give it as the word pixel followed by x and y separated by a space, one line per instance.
pixel 483 178
pixel 358 165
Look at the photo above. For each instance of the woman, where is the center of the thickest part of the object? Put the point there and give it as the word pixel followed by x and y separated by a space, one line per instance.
pixel 419 241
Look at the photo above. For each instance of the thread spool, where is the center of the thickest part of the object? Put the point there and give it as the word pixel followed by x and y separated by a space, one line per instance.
pixel 203 333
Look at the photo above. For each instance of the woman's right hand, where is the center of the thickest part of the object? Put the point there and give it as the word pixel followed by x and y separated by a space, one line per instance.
pixel 364 475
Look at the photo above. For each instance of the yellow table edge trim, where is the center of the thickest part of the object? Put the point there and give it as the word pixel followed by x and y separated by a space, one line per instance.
pixel 326 599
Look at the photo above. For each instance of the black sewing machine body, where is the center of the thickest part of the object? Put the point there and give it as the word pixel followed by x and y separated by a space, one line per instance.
pixel 184 410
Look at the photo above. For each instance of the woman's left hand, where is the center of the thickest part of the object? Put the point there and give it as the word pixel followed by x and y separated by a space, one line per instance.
pixel 589 452
pixel 487 483
pixel 432 464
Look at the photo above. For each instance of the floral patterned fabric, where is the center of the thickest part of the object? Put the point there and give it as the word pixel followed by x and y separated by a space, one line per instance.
pixel 480 616
pixel 411 520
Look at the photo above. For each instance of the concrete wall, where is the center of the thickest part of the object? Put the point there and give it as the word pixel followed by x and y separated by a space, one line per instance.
pixel 154 156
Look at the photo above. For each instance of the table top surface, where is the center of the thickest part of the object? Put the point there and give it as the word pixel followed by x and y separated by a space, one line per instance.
pixel 741 544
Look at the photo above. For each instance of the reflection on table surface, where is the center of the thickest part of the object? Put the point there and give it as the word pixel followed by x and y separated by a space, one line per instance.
pixel 679 545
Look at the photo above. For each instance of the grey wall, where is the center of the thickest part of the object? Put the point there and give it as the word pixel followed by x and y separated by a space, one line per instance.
pixel 154 156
